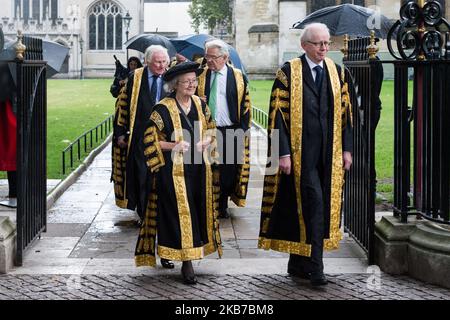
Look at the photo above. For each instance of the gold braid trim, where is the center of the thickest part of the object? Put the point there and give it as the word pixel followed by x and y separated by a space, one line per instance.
pixel 337 171
pixel 299 248
pixel 240 89
pixel 296 131
pixel 134 101
pixel 179 182
pixel 281 76
pixel 152 151
pixel 212 221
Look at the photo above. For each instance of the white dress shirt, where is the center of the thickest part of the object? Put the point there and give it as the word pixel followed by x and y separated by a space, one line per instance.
pixel 222 111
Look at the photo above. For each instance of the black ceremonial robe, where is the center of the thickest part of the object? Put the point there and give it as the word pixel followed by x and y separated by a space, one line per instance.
pixel 317 131
pixel 182 207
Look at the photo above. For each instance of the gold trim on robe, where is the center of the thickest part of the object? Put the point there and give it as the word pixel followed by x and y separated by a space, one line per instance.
pixel 294 123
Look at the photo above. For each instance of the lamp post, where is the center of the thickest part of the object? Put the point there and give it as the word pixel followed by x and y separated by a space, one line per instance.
pixel 127 20
pixel 81 57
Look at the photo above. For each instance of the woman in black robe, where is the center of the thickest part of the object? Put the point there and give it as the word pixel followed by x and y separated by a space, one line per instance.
pixel 182 208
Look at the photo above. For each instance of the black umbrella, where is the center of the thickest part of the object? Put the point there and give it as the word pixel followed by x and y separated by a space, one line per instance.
pixel 349 19
pixel 52 52
pixel 141 42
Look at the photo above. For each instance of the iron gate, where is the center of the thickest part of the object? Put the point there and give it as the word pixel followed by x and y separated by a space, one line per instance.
pixel 359 191
pixel 31 146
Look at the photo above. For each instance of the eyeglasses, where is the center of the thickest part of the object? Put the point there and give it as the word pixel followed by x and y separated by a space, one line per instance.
pixel 187 83
pixel 213 57
pixel 326 44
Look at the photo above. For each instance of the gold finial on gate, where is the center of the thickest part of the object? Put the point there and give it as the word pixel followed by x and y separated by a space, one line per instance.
pixel 344 49
pixel 372 48
pixel 19 46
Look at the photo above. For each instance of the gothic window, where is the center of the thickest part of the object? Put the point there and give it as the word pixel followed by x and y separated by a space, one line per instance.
pixel 38 10
pixel 357 2
pixel 105 26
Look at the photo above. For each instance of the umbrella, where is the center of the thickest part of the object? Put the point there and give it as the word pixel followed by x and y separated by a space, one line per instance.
pixel 194 44
pixel 349 19
pixel 141 42
pixel 52 52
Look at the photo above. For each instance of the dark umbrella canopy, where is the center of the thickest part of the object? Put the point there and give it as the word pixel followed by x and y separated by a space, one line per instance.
pixel 194 44
pixel 141 42
pixel 349 19
pixel 52 52
pixel 191 45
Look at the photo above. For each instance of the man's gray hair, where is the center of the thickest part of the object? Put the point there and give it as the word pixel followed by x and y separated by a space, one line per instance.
pixel 312 28
pixel 217 43
pixel 153 49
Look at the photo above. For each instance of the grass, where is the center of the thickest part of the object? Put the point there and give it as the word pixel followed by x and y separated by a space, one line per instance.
pixel 74 106
pixel 384 139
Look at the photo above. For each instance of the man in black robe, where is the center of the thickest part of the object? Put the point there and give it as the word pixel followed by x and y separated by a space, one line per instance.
pixel 145 87
pixel 227 95
pixel 301 204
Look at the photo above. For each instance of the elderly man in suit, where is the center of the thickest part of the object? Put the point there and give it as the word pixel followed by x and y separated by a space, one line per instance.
pixel 226 93
pixel 301 205
pixel 145 88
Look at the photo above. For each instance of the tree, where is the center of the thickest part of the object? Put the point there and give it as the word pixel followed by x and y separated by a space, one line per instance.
pixel 210 13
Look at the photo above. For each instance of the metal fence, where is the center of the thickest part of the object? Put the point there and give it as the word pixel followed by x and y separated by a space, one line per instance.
pixel 359 190
pixel 422 173
pixel 31 146
pixel 84 143
pixel 260 117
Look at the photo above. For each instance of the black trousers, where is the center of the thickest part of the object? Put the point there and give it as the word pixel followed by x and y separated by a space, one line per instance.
pixel 228 166
pixel 12 184
pixel 313 211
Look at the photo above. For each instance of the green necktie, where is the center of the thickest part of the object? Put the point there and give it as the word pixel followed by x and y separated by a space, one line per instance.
pixel 213 95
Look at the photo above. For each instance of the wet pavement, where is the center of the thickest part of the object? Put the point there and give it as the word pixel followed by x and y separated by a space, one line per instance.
pixel 88 253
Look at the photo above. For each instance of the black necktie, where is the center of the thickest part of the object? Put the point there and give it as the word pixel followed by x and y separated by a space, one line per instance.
pixel 319 77
pixel 154 90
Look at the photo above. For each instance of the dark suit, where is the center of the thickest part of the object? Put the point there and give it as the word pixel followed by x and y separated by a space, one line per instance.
pixel 137 176
pixel 315 163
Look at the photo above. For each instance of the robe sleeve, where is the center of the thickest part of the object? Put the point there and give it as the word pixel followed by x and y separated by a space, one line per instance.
pixel 279 110
pixel 153 134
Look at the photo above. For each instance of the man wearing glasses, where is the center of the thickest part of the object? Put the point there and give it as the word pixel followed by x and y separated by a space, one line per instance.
pixel 301 205
pixel 226 94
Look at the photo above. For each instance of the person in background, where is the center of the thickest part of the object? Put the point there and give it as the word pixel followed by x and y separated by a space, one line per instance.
pixel 226 92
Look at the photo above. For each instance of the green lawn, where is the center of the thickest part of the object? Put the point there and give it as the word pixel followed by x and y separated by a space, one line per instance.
pixel 74 106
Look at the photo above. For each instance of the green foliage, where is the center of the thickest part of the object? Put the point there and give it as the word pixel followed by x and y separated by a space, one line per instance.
pixel 210 13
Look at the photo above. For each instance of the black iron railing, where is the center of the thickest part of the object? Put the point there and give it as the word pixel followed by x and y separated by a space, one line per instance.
pixel 31 91
pixel 85 142
pixel 428 174
pixel 359 190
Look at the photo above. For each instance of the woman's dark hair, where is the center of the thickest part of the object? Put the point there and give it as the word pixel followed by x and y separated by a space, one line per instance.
pixel 136 59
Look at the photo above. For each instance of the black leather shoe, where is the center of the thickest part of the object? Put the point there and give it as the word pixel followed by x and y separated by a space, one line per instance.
pixel 318 279
pixel 188 276
pixel 224 215
pixel 299 274
pixel 167 264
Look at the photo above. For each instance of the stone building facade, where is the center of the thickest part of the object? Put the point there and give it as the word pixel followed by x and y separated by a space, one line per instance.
pixel 94 30
pixel 263 34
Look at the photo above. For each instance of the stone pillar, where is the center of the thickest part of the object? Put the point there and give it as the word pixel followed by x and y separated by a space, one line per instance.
pixel 7 244
pixel 419 248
